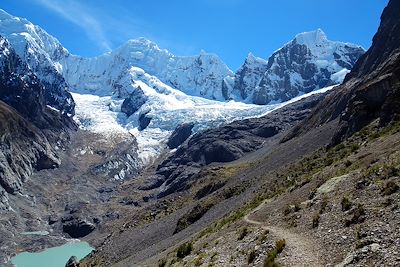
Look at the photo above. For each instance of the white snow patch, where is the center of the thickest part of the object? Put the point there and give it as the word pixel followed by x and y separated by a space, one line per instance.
pixel 339 76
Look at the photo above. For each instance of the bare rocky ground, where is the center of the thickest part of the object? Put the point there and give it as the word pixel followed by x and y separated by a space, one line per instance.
pixel 143 238
pixel 74 190
pixel 343 212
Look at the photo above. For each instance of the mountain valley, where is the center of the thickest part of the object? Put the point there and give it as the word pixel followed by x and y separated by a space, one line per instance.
pixel 164 160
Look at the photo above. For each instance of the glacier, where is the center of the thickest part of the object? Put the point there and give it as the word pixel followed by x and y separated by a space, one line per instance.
pixel 178 89
pixel 102 114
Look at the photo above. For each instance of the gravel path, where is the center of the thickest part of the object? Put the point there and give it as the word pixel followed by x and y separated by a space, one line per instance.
pixel 299 250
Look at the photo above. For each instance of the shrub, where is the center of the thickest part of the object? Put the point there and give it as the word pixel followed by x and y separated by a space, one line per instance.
pixel 263 236
pixel 354 147
pixel 162 263
pixel 184 250
pixel 390 171
pixel 315 221
pixel 328 162
pixel 251 257
pixel 243 233
pixel 390 188
pixel 358 216
pixel 270 259
pixel 346 204
pixel 280 245
pixel 324 203
pixel 199 261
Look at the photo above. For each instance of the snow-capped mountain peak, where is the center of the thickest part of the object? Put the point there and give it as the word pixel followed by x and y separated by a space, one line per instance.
pixel 21 33
pixel 39 50
pixel 164 89
pixel 312 38
pixel 252 59
pixel 309 62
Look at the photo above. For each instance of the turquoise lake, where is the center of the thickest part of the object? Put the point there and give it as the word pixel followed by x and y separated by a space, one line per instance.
pixel 52 257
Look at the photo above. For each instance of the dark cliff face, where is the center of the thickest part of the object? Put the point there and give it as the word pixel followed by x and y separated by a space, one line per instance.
pixel 371 90
pixel 23 149
pixel 384 51
pixel 21 89
pixel 248 76
pixel 56 90
pixel 28 126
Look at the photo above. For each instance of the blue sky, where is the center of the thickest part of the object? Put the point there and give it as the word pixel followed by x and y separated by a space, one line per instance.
pixel 229 28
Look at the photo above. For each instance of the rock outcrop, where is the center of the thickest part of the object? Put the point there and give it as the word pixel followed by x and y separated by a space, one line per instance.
pixel 72 262
pixel 76 227
pixel 133 103
pixel 144 121
pixel 24 148
pixel 179 135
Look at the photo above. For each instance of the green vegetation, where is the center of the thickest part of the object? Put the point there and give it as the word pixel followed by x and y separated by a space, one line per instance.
pixel 184 250
pixel 162 263
pixel 333 161
pixel 270 259
pixel 199 260
pixel 263 236
pixel 292 177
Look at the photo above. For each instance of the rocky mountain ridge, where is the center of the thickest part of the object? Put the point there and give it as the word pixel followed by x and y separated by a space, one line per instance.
pixel 308 62
pixel 30 127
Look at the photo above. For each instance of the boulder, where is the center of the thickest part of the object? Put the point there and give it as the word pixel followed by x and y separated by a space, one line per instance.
pixel 72 262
